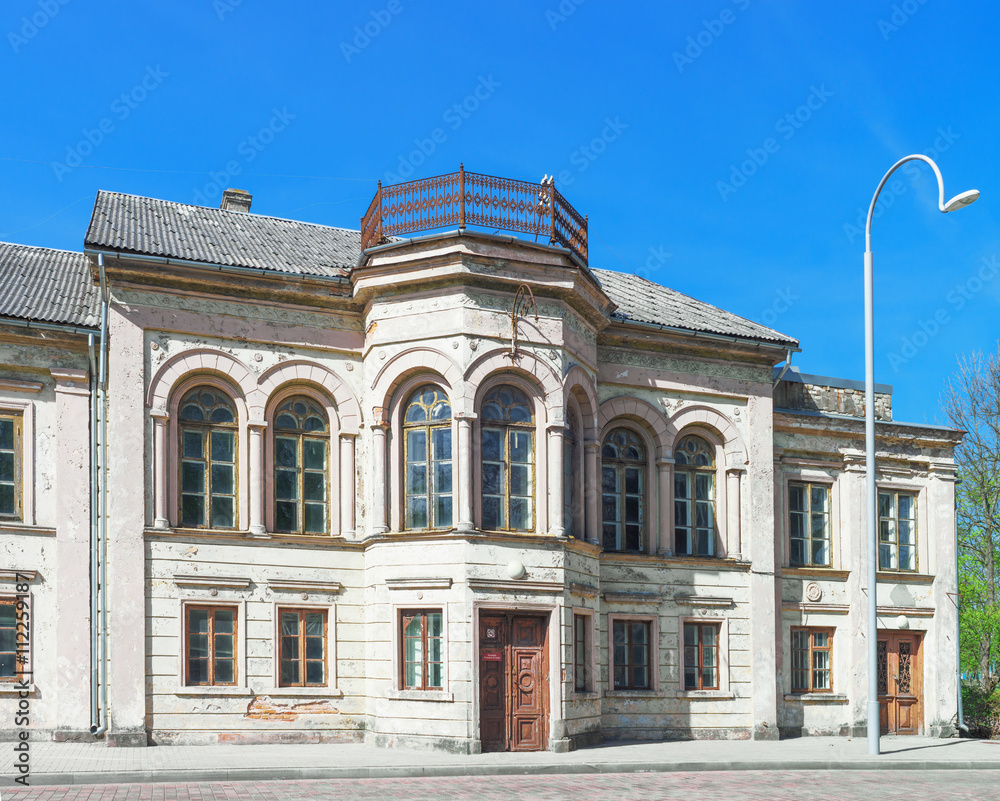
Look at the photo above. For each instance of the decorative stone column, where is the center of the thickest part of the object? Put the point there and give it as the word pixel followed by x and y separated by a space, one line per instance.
pixel 464 479
pixel 557 505
pixel 734 541
pixel 256 466
pixel 592 491
pixel 347 485
pixel 160 460
pixel 379 519
pixel 665 510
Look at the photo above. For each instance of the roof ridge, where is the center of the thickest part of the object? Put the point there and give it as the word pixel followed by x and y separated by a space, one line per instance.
pixel 44 247
pixel 227 211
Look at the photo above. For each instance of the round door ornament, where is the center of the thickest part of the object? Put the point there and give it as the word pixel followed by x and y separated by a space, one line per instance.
pixel 813 592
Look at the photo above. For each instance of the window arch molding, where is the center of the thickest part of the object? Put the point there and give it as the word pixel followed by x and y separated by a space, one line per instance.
pixel 545 385
pixel 175 370
pixel 397 376
pixel 310 374
pixel 526 383
pixel 724 432
pixel 170 461
pixel 319 396
pixel 651 495
pixel 641 412
pixel 403 388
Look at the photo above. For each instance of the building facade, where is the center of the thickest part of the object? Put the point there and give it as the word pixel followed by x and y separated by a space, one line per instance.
pixel 264 480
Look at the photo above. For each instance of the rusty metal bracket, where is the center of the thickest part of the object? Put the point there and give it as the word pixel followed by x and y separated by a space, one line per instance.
pixel 524 300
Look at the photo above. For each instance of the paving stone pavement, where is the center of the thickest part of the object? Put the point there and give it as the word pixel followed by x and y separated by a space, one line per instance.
pixel 56 764
pixel 705 786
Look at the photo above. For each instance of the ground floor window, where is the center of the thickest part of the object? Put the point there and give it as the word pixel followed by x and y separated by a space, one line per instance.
pixel 8 640
pixel 630 643
pixel 701 656
pixel 812 651
pixel 582 646
pixel 210 634
pixel 423 649
pixel 303 635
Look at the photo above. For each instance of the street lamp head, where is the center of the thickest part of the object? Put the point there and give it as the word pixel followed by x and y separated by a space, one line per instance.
pixel 961 201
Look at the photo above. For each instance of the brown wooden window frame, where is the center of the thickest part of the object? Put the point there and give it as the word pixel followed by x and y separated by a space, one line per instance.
pixel 508 430
pixel 811 631
pixel 628 663
pixel 211 658
pixel 301 646
pixel 17 453
pixel 205 429
pixel 700 648
pixel 423 685
pixel 688 471
pixel 893 519
pixel 809 516
pixel 19 667
pixel 615 463
pixel 301 436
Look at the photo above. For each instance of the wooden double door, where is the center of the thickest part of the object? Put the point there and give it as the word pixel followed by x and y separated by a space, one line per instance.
pixel 513 681
pixel 900 682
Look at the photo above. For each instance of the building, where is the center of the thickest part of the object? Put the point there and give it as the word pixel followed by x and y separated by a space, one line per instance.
pixel 461 490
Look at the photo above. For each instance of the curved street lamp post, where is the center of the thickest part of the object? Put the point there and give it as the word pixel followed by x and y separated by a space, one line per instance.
pixel 958 202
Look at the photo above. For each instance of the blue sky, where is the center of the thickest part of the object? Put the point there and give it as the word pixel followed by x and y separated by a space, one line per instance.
pixel 727 149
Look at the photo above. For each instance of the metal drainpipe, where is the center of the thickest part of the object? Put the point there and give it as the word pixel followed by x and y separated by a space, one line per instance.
pixel 958 626
pixel 94 717
pixel 788 363
pixel 102 518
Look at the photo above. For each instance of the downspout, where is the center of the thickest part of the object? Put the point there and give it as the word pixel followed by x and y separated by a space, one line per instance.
pixel 102 523
pixel 788 363
pixel 94 717
pixel 958 627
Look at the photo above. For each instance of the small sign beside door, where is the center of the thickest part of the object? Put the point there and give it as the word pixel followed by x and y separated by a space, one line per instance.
pixel 492 656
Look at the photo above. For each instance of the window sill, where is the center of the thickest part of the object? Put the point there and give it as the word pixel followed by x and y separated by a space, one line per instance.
pixel 634 694
pixel 903 577
pixel 815 571
pixel 421 695
pixel 14 688
pixel 10 526
pixel 714 695
pixel 817 698
pixel 303 692
pixel 586 695
pixel 210 691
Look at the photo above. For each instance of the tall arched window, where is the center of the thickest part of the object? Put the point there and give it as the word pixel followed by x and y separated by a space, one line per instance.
pixel 301 473
pixel 623 487
pixel 427 455
pixel 508 458
pixel 694 498
pixel 207 428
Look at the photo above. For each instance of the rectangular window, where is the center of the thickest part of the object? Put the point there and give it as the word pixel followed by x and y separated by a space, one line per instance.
pixel 581 653
pixel 811 660
pixel 897 531
pixel 701 656
pixel 631 642
pixel 302 643
pixel 809 524
pixel 9 669
pixel 10 466
pixel 423 650
pixel 210 635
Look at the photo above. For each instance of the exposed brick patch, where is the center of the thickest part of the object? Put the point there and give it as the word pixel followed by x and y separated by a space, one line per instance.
pixel 263 708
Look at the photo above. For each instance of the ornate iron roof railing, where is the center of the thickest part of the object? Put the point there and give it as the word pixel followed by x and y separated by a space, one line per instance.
pixel 468 198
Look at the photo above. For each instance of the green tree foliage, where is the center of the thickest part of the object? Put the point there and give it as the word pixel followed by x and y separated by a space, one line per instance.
pixel 972 402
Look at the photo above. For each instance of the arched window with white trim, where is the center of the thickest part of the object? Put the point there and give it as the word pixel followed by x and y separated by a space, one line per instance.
pixel 694 497
pixel 623 491
pixel 508 460
pixel 301 467
pixel 208 442
pixel 428 483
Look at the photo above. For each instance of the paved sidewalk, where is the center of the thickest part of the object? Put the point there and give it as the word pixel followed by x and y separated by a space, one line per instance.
pixel 90 763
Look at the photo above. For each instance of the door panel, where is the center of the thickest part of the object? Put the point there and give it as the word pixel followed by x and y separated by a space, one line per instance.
pixel 900 682
pixel 513 682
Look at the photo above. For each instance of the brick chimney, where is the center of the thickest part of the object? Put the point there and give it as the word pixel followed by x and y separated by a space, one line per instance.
pixel 236 200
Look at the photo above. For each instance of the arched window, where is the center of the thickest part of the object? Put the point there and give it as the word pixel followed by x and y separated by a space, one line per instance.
pixel 427 455
pixel 623 486
pixel 694 498
pixel 301 473
pixel 571 449
pixel 208 459
pixel 508 455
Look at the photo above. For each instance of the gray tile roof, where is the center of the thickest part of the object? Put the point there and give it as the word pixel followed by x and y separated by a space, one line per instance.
pixel 49 286
pixel 153 227
pixel 642 301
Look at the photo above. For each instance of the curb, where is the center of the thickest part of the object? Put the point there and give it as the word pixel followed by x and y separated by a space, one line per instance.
pixel 178 776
